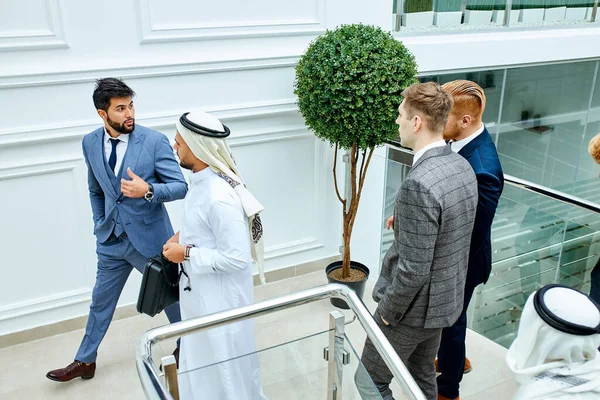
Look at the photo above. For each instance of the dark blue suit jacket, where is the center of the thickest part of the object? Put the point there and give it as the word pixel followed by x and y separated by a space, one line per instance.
pixel 482 155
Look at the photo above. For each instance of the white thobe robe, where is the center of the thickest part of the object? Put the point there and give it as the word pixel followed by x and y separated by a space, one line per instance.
pixel 220 273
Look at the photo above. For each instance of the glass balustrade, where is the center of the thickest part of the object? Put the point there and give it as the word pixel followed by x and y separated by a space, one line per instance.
pixel 432 15
pixel 322 365
pixel 536 240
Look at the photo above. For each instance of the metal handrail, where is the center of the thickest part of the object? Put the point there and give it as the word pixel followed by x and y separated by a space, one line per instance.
pixel 155 389
pixel 405 157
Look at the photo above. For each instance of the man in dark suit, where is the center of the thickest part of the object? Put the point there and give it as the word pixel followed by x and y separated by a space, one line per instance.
pixel 132 172
pixel 471 140
pixel 420 289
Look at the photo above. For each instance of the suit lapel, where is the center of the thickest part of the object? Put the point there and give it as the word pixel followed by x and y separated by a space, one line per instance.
pixel 468 150
pixel 97 153
pixel 130 160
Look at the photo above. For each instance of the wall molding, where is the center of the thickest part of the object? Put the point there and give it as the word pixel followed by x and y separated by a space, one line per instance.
pixel 37 305
pixel 76 130
pixel 51 38
pixel 39 168
pixel 289 248
pixel 27 310
pixel 147 71
pixel 154 33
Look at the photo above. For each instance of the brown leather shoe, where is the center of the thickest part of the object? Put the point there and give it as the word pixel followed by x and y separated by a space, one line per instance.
pixel 176 355
pixel 440 397
pixel 74 370
pixel 468 367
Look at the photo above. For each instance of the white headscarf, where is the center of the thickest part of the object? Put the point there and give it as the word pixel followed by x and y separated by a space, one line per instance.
pixel 551 364
pixel 216 153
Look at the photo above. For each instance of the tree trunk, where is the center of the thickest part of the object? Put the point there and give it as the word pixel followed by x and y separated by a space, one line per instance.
pixel 350 205
pixel 347 235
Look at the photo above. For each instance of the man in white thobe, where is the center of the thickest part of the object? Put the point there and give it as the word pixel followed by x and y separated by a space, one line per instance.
pixel 555 354
pixel 220 235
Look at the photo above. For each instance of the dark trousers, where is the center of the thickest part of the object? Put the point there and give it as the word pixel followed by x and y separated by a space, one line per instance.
pixel 452 351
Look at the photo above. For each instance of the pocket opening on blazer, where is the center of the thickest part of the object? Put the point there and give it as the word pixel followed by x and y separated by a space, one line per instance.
pixel 148 219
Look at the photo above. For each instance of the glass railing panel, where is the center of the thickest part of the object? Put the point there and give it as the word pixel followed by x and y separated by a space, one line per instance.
pixel 357 383
pixel 395 174
pixel 551 12
pixel 434 15
pixel 496 307
pixel 579 255
pixel 518 228
pixel 536 240
pixel 565 254
pixel 416 15
pixel 542 118
pixel 292 370
pixel 313 366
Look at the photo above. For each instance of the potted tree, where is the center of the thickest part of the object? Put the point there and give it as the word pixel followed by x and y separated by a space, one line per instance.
pixel 349 85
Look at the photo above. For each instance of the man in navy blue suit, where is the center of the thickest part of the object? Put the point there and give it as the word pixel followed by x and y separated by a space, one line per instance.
pixel 132 172
pixel 471 140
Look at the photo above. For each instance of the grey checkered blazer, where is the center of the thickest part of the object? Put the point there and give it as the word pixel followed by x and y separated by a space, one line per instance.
pixel 423 274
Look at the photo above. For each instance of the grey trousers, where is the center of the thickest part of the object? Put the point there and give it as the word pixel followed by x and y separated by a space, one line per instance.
pixel 417 348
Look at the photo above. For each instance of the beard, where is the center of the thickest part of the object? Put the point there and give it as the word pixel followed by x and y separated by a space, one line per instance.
pixel 185 165
pixel 451 134
pixel 121 128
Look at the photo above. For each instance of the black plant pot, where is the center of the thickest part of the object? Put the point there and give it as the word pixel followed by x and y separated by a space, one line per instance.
pixel 359 286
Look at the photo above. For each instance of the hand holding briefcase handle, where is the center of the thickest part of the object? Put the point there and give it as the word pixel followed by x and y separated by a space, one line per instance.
pixel 160 286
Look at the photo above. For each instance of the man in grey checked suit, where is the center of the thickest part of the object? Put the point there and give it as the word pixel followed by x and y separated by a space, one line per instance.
pixel 420 289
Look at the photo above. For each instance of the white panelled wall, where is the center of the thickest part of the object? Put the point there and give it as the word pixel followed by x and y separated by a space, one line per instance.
pixel 234 58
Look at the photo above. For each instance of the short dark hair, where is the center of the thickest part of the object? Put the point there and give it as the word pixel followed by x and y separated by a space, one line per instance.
pixel 108 88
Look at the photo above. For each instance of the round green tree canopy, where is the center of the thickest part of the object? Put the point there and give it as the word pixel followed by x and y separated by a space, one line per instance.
pixel 349 82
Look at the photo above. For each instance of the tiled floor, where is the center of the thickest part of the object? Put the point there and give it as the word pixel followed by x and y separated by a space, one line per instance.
pixel 295 370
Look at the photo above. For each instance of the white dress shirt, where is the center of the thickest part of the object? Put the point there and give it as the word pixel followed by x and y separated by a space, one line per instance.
pixel 459 144
pixel 121 148
pixel 419 154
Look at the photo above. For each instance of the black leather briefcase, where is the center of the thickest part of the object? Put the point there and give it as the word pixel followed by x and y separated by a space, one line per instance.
pixel 160 286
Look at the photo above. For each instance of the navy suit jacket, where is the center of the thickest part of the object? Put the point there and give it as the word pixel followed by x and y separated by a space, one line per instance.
pixel 482 155
pixel 150 156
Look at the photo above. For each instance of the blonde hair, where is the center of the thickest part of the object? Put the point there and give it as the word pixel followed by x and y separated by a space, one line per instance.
pixel 594 148
pixel 469 98
pixel 430 101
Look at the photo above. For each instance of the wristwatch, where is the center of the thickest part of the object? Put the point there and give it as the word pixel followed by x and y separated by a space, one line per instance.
pixel 150 193
pixel 186 253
